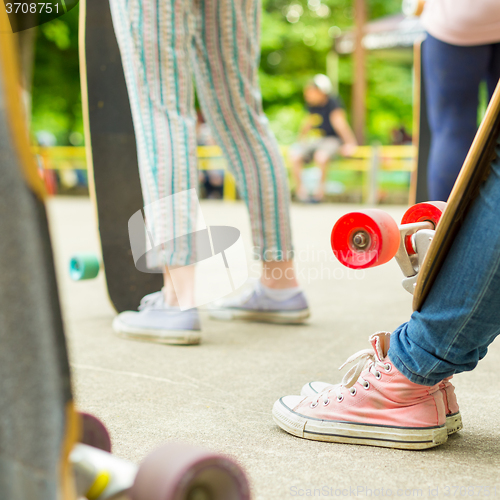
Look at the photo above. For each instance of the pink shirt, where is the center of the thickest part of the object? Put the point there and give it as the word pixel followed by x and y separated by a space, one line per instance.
pixel 463 22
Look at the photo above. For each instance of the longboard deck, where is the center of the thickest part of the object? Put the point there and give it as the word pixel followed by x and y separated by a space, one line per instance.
pixel 111 154
pixel 39 425
pixel 474 171
pixel 421 129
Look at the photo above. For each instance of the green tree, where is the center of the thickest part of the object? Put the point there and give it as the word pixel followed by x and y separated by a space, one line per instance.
pixel 296 37
pixel 56 102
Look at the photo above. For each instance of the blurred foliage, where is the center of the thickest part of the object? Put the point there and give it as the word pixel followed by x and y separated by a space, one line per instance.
pixel 56 103
pixel 296 38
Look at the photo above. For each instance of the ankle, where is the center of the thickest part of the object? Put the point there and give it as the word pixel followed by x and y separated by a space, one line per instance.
pixel 280 294
pixel 278 275
pixel 279 285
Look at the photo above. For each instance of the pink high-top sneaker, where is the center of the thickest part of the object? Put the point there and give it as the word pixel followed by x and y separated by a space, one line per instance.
pixel 374 404
pixel 453 416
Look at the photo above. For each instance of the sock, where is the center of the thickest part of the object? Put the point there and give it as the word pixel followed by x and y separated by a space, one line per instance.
pixel 280 294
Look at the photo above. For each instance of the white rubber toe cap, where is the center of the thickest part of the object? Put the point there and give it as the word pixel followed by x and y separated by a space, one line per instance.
pixel 313 388
pixel 286 418
pixel 291 401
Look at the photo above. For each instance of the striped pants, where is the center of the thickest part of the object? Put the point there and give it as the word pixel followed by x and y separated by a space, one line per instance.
pixel 165 45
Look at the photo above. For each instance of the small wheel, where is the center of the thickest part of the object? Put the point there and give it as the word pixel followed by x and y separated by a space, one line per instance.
pixel 430 211
pixel 364 239
pixel 179 471
pixel 84 266
pixel 427 211
pixel 94 432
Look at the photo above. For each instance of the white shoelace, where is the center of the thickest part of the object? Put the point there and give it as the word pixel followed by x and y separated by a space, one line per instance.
pixel 152 300
pixel 366 359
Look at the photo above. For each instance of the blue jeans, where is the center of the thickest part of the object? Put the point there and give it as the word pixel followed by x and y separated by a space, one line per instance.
pixel 461 315
pixel 452 75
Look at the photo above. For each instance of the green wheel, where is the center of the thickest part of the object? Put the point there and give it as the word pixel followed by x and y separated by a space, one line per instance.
pixel 84 266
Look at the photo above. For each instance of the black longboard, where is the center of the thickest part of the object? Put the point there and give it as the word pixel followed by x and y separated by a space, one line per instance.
pixel 111 154
pixel 422 132
pixel 38 424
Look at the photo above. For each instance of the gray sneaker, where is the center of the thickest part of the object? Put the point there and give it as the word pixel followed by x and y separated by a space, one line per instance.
pixel 254 305
pixel 157 322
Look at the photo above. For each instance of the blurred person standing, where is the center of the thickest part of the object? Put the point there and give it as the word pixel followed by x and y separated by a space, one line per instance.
pixel 324 133
pixel 461 50
pixel 165 47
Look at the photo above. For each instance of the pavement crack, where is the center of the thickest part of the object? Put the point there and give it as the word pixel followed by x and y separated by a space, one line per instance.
pixel 130 374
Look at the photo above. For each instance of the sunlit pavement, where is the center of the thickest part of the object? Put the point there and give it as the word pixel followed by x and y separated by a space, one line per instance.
pixel 220 394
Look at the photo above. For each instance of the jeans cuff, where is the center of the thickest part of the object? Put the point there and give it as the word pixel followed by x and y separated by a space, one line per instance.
pixel 412 377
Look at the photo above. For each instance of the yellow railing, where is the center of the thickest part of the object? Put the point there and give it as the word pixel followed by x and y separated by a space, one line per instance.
pixel 369 159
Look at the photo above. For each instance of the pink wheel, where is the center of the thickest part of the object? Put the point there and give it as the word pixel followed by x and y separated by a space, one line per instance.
pixel 94 432
pixel 179 471
pixel 364 239
pixel 422 212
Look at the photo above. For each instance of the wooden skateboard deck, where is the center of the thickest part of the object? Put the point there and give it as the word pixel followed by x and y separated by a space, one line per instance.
pixel 111 155
pixel 39 425
pixel 421 130
pixel 474 171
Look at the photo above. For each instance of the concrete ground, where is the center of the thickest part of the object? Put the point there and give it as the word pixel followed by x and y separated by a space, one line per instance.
pixel 220 394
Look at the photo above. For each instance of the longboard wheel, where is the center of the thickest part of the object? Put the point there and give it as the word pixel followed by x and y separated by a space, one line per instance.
pixel 178 471
pixel 94 432
pixel 429 211
pixel 84 266
pixel 363 239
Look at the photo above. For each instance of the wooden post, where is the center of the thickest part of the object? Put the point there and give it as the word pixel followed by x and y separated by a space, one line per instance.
pixel 359 85
pixel 372 195
pixel 332 70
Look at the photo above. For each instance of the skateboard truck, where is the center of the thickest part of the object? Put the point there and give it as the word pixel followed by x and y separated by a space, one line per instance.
pixel 99 474
pixel 371 237
pixel 420 235
pixel 174 471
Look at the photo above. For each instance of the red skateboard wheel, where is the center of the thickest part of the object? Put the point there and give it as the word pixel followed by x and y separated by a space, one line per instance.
pixel 367 238
pixel 430 211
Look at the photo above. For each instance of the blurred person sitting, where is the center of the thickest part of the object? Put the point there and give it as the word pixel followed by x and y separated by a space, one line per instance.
pixel 400 136
pixel 324 133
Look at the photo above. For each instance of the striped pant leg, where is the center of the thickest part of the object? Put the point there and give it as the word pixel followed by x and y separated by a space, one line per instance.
pixel 154 40
pixel 225 60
